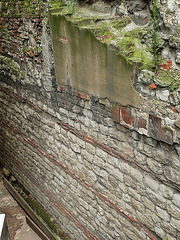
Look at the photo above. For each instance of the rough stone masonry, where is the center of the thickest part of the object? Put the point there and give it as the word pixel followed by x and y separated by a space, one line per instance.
pixel 100 169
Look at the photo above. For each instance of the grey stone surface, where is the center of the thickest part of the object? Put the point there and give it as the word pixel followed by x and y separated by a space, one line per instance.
pixel 98 164
pixel 163 95
pixel 176 199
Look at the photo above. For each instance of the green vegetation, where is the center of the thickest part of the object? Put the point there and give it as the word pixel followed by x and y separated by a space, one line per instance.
pixel 23 8
pixel 120 23
pixel 71 5
pixel 49 221
pixel 12 66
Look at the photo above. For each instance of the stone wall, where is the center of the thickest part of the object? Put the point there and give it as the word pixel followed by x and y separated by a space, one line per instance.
pixel 101 170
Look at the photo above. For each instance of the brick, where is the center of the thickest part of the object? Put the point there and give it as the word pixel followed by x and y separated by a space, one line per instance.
pixel 127 116
pixel 142 123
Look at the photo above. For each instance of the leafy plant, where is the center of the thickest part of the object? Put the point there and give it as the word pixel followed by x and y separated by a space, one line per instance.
pixel 71 4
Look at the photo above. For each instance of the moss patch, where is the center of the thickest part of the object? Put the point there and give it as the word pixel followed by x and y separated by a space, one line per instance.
pixel 114 31
pixel 12 67
pixel 21 8
pixel 49 221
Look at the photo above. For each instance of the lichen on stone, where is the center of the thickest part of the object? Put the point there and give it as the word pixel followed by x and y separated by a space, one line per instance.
pixel 12 67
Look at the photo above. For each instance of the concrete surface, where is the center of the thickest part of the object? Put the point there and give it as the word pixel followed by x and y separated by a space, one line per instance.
pixel 15 217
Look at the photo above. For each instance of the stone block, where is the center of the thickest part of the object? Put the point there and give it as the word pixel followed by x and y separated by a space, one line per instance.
pixel 137 205
pixel 169 237
pixel 159 232
pixel 162 95
pixel 147 203
pixel 117 134
pixel 100 153
pixel 116 172
pixel 136 174
pixel 103 129
pixel 173 211
pixel 87 113
pixel 75 148
pixel 135 135
pixel 166 135
pixel 155 166
pixel 140 157
pixel 97 161
pixel 172 175
pixel 166 191
pixel 157 199
pixel 156 221
pixel 175 223
pixel 134 194
pixel 162 214
pixel 72 137
pixel 154 126
pixel 176 199
pixel 127 149
pixel 168 228
pixel 90 148
pixel 129 181
pixel 126 198
pixel 160 155
pixel 100 172
pixel 145 220
pixel 113 161
pixel 135 234
pixel 151 183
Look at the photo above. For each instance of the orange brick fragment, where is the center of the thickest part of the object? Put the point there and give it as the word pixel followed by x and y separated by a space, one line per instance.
pixel 152 86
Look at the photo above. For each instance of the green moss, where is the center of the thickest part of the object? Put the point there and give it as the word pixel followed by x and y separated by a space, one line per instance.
pixel 120 23
pixel 133 51
pixel 169 79
pixel 12 66
pixel 15 9
pixel 39 210
pixel 55 4
pixel 144 58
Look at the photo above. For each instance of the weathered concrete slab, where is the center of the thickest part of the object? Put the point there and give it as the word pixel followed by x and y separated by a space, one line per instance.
pixel 84 63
